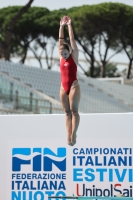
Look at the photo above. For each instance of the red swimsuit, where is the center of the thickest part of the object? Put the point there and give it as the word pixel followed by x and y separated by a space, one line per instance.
pixel 68 71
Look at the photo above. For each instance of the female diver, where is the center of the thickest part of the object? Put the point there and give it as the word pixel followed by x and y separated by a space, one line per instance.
pixel 70 89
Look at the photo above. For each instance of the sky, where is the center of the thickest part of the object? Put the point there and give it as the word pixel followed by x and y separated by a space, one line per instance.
pixel 57 4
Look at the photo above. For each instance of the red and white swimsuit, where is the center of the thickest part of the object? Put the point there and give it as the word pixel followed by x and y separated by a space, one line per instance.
pixel 68 70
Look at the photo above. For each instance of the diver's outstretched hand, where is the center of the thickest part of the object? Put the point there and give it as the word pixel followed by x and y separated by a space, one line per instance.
pixel 62 22
pixel 68 20
pixel 65 20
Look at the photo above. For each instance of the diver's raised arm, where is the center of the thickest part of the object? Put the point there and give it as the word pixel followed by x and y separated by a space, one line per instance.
pixel 74 47
pixel 61 33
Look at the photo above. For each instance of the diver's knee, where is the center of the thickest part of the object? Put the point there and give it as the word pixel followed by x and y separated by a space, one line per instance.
pixel 67 112
pixel 74 113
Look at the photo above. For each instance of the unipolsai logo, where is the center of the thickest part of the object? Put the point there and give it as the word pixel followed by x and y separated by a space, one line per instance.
pixel 40 159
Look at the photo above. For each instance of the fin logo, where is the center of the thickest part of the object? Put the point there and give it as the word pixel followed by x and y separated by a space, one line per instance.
pixel 39 159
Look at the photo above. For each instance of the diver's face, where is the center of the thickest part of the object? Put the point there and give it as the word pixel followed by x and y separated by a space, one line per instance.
pixel 65 54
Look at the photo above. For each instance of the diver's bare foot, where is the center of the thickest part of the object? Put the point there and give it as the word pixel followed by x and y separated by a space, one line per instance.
pixel 73 139
pixel 69 139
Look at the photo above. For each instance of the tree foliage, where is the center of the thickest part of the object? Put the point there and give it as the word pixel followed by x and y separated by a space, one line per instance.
pixel 107 25
pixel 7 29
pixel 101 25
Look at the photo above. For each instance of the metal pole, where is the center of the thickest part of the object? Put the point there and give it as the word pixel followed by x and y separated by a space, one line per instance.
pixel 16 100
pixel 31 100
pixel 11 91
pixel 36 107
pixel 50 109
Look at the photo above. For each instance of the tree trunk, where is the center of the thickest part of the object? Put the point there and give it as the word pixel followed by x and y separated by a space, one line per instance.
pixel 90 54
pixel 102 72
pixel 129 68
pixel 6 52
pixel 92 67
pixel 25 54
pixel 83 69
pixel 39 60
pixel 104 67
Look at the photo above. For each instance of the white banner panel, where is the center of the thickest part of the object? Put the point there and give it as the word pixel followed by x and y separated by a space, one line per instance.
pixel 96 167
pixel 36 162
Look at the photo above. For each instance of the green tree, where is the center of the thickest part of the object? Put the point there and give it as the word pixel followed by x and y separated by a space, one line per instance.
pixel 7 29
pixel 47 41
pixel 122 25
pixel 44 37
pixel 126 38
pixel 94 27
pixel 35 27
pixel 107 25
pixel 85 33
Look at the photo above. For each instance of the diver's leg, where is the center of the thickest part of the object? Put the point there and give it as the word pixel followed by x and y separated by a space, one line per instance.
pixel 74 99
pixel 66 107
